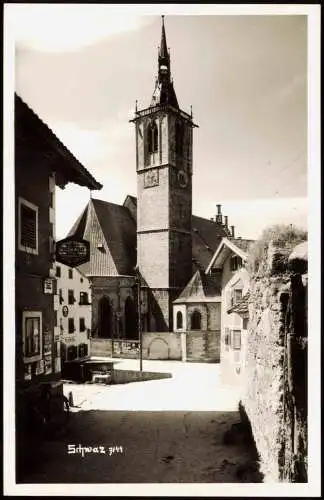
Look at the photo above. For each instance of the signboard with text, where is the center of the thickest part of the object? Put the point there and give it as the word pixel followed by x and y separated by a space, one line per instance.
pixel 72 251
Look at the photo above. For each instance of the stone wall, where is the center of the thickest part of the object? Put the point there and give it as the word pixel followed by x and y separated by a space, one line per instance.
pixel 158 345
pixel 203 346
pixel 275 376
pixel 101 347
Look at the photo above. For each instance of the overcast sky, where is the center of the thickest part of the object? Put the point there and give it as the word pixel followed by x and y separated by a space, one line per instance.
pixel 82 67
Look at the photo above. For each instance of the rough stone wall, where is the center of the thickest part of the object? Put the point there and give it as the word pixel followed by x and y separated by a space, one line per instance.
pixel 275 377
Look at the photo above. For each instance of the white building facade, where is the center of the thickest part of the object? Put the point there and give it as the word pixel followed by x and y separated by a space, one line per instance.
pixel 73 312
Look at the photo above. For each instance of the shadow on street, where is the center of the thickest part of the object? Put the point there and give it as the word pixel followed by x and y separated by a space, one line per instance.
pixel 145 447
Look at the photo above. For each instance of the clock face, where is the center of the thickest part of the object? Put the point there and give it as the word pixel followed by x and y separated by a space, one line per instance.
pixel 182 178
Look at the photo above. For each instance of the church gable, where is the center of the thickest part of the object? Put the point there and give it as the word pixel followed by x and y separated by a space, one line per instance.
pixel 201 288
pixel 101 261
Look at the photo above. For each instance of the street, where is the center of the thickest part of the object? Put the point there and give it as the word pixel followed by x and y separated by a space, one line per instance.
pixel 168 430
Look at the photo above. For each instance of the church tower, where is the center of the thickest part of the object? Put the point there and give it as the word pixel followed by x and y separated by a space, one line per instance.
pixel 164 190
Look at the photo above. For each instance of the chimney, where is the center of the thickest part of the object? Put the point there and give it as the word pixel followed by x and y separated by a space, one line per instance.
pixel 219 217
pixel 233 231
pixel 226 221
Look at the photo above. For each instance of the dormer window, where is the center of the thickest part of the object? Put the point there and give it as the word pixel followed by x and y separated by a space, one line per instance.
pixel 152 138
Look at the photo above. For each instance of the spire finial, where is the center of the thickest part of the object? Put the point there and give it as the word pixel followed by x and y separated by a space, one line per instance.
pixel 191 111
pixel 163 48
pixel 136 106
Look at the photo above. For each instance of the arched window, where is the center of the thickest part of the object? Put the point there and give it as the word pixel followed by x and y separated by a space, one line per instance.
pixel 196 320
pixel 179 137
pixel 104 318
pixel 131 319
pixel 179 319
pixel 152 138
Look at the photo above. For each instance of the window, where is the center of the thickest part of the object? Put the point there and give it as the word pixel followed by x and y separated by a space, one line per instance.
pixel 70 274
pixel 84 299
pixel 227 337
pixel 245 323
pixel 82 325
pixel 71 325
pixel 58 271
pixel 196 320
pixel 55 318
pixel 61 296
pixel 235 263
pixel 81 280
pixel 237 339
pixel 179 319
pixel 152 138
pixel 71 298
pixel 32 335
pixel 28 227
pixel 237 295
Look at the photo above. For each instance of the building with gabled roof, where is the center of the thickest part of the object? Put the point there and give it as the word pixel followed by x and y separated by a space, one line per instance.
pixel 229 263
pixel 41 162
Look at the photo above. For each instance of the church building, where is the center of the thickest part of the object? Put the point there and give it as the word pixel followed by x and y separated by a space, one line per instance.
pixel 150 248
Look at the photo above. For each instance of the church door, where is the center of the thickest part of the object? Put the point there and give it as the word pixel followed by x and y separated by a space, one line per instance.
pixel 131 323
pixel 105 318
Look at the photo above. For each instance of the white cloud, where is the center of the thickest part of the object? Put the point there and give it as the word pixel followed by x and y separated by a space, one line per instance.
pixel 61 28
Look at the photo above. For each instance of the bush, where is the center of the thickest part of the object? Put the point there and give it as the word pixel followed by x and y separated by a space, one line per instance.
pixel 283 237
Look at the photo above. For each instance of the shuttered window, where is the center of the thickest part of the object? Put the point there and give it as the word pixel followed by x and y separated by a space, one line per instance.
pixel 28 227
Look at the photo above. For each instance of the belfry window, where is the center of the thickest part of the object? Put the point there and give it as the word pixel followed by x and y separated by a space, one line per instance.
pixel 179 137
pixel 152 138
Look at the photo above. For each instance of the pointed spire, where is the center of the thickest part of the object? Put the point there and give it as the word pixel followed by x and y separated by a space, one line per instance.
pixel 164 49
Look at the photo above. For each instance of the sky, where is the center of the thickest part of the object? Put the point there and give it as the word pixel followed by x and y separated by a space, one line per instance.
pixel 81 68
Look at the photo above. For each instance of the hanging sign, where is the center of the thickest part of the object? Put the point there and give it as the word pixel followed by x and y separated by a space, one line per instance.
pixel 72 251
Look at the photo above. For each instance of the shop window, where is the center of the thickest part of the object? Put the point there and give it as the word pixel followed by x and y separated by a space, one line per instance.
pixel 179 320
pixel 196 320
pixel 70 274
pixel 28 227
pixel 84 299
pixel 32 335
pixel 152 138
pixel 236 339
pixel 58 271
pixel 71 325
pixel 235 263
pixel 82 326
pixel 71 298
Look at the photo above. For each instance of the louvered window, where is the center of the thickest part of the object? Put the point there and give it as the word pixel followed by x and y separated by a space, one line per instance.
pixel 28 227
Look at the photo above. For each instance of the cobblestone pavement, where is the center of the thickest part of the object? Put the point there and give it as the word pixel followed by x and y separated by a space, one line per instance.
pixel 156 443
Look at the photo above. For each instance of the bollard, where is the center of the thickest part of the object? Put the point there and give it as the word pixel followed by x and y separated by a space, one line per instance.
pixel 71 403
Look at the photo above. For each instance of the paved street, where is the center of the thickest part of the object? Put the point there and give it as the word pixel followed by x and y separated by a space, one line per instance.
pixel 168 430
